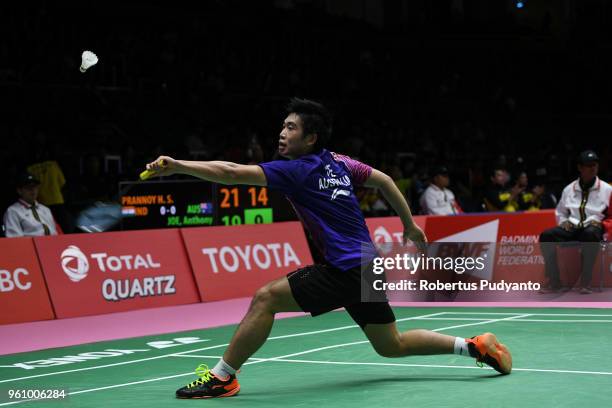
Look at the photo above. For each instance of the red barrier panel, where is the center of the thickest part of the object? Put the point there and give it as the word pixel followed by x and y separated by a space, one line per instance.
pixel 519 258
pixel 23 293
pixel 489 227
pixel 230 262
pixel 390 229
pixel 116 271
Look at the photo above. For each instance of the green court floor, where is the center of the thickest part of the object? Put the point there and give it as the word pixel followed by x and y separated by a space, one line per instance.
pixel 562 358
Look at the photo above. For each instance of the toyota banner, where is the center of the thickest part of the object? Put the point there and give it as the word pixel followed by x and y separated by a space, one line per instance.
pixel 236 261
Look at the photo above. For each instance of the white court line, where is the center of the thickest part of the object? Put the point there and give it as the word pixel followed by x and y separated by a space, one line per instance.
pixel 532 314
pixel 483 322
pixel 446 366
pixel 263 360
pixel 266 359
pixel 565 321
pixel 475 319
pixel 352 326
pixel 199 349
pixel 417 365
pixel 521 320
pixel 108 365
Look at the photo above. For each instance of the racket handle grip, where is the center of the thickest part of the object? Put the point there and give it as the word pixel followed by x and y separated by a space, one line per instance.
pixel 146 174
pixel 150 173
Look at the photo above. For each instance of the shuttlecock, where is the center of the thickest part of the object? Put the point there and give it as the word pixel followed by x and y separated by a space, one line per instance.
pixel 88 59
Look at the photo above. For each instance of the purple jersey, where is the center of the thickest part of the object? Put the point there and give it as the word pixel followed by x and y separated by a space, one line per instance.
pixel 320 187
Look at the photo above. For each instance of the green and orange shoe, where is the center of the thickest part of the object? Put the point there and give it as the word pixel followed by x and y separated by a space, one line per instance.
pixel 486 349
pixel 209 385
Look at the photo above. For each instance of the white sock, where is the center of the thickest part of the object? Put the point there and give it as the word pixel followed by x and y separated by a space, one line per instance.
pixel 461 347
pixel 223 370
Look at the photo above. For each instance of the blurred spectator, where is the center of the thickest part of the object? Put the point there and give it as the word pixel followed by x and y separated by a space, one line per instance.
pixel 371 203
pixel 27 217
pixel 93 184
pixel 528 199
pixel 548 198
pixel 584 213
pixel 404 184
pixel 437 198
pixel 52 181
pixel 498 197
pixel 254 152
pixel 420 180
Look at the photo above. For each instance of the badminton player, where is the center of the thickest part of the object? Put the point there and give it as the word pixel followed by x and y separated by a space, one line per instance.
pixel 320 185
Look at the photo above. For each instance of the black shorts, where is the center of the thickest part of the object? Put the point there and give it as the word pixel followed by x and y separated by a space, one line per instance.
pixel 320 289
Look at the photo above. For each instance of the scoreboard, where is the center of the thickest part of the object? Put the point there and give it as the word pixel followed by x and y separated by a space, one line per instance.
pixel 190 203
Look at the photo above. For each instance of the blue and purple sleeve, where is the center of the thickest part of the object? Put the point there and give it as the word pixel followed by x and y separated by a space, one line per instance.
pixel 359 171
pixel 281 175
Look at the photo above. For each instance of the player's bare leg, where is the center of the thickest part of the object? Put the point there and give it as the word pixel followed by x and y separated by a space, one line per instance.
pixel 388 341
pixel 256 325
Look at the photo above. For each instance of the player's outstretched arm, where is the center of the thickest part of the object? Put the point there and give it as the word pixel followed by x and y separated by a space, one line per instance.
pixel 394 197
pixel 216 171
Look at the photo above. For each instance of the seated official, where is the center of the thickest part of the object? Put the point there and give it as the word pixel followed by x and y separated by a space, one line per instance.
pixel 27 217
pixel 584 214
pixel 437 199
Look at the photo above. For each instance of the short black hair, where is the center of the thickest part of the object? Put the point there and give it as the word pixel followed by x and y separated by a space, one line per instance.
pixel 316 119
pixel 497 167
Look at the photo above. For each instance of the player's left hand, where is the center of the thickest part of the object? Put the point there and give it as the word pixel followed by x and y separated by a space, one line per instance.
pixel 416 235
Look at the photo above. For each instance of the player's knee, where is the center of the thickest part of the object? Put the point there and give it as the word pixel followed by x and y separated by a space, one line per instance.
pixel 268 297
pixel 390 347
pixel 264 298
pixel 389 351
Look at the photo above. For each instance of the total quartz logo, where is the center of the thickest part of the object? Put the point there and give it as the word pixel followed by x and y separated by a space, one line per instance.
pixel 74 263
